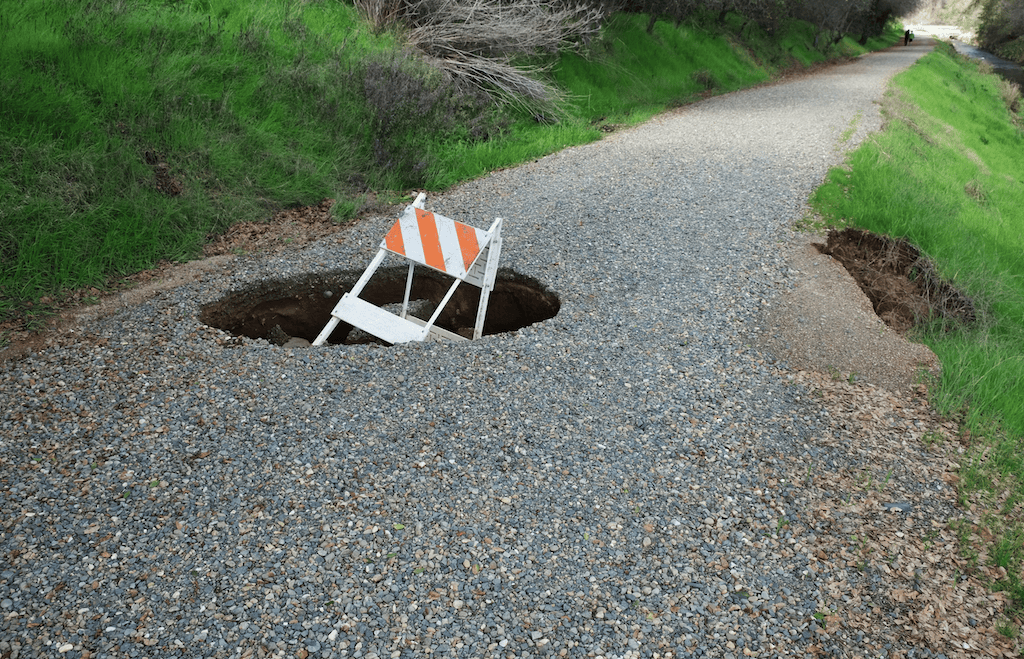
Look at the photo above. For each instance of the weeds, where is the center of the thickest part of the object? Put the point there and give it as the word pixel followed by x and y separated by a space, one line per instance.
pixel 1010 93
pixel 1007 628
pixel 851 129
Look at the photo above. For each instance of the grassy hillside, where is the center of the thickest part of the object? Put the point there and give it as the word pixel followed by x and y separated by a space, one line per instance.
pixel 131 132
pixel 946 175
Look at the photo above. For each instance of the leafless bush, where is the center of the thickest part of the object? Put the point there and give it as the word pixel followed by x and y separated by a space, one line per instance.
pixel 476 41
pixel 498 28
pixel 1010 91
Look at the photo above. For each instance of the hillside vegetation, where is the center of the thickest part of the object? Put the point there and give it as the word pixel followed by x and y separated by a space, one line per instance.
pixel 133 131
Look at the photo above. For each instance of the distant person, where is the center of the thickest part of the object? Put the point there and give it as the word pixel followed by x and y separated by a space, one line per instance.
pixel 906 37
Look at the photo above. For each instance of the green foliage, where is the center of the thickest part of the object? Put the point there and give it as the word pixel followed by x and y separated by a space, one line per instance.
pixel 1001 28
pixel 1012 50
pixel 798 40
pixel 627 76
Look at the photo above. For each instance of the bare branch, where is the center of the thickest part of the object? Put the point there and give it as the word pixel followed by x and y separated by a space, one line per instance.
pixel 475 41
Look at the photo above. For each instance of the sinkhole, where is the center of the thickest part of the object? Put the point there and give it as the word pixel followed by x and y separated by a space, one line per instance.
pixel 292 311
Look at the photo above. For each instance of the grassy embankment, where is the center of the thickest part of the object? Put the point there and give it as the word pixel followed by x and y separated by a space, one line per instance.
pixel 946 174
pixel 130 132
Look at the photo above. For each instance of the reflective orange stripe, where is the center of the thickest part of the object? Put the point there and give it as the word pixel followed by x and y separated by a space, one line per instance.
pixel 394 240
pixel 432 254
pixel 467 243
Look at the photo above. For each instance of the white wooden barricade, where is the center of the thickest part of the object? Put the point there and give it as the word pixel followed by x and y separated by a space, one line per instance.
pixel 465 253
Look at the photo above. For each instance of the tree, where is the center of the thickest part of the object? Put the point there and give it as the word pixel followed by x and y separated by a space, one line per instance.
pixel 999 23
pixel 835 19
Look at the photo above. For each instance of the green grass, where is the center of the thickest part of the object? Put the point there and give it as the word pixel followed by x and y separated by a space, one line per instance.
pixel 97 95
pixel 946 175
pixel 628 75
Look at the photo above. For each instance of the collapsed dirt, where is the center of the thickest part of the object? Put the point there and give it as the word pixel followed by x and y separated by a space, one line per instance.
pixel 285 309
pixel 904 288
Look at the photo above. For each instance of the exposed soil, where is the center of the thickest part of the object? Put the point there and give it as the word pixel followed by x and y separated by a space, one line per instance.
pixel 287 228
pixel 902 284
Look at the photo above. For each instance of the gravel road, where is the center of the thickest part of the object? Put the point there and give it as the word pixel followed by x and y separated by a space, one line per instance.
pixel 605 483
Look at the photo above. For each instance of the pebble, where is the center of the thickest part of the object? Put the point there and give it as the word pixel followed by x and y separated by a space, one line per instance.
pixel 599 484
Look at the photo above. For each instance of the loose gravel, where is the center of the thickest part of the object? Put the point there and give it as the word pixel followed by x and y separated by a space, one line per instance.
pixel 605 483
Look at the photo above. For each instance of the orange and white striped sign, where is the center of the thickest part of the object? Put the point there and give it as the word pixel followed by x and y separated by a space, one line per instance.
pixel 435 240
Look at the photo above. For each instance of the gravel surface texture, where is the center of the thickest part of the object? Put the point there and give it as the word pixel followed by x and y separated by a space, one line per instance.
pixel 605 483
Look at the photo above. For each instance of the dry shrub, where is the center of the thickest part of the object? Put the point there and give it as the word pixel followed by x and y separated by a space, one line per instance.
pixel 1010 92
pixel 380 14
pixel 476 41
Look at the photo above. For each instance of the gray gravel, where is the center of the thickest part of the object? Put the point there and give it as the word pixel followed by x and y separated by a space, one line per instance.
pixel 601 483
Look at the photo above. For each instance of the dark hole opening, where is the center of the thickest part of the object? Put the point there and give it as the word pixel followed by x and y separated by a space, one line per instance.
pixel 283 310
pixel 901 282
